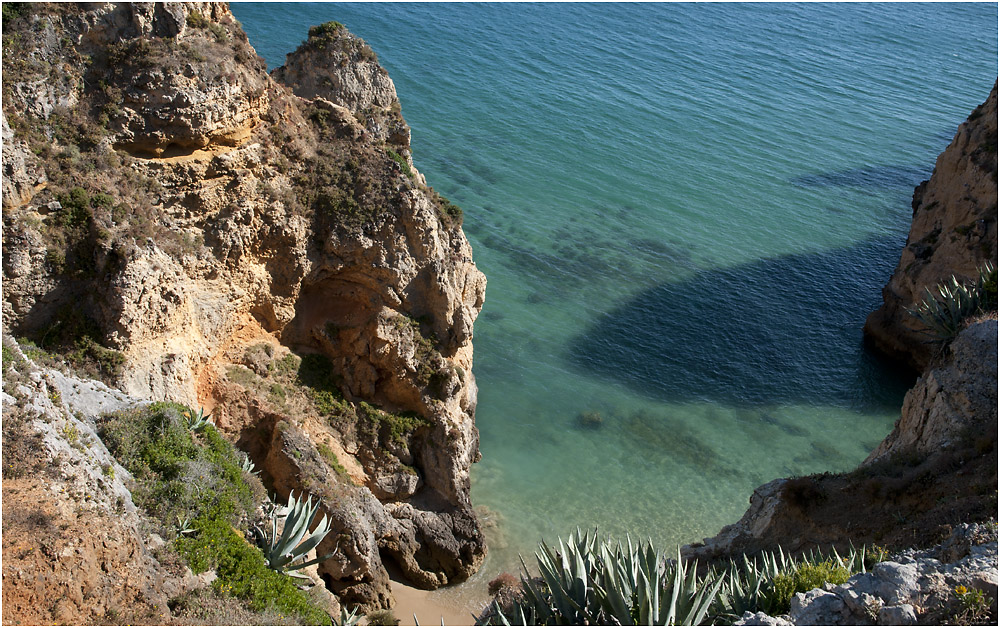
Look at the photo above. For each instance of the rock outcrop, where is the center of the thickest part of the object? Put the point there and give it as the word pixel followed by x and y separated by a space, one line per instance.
pixel 75 549
pixel 938 466
pixel 914 587
pixel 953 398
pixel 194 208
pixel 337 66
pixel 21 175
pixel 954 231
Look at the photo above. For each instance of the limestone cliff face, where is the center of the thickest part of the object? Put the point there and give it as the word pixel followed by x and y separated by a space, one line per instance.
pixel 75 548
pixel 953 397
pixel 183 207
pixel 954 231
pixel 338 66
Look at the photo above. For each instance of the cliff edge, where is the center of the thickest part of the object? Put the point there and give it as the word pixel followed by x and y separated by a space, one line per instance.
pixel 954 231
pixel 187 228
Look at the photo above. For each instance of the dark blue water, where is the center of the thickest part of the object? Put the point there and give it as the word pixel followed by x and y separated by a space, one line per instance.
pixel 685 213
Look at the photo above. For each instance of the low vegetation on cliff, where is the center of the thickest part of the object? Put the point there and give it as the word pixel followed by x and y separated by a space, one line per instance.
pixel 173 212
pixel 948 308
pixel 194 486
pixel 591 581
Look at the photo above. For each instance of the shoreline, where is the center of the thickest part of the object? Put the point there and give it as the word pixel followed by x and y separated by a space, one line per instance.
pixel 431 608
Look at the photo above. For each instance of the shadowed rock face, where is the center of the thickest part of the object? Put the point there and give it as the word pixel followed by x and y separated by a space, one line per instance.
pixel 226 209
pixel 954 231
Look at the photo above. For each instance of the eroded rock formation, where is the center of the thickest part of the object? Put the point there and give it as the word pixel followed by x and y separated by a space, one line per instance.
pixel 938 466
pixel 954 231
pixel 74 547
pixel 953 398
pixel 184 208
pixel 937 469
pixel 914 587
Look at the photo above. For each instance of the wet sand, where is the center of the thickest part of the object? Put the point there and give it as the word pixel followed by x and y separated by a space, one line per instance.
pixel 432 607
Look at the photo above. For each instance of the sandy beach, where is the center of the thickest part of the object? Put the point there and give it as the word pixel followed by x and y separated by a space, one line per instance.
pixel 432 608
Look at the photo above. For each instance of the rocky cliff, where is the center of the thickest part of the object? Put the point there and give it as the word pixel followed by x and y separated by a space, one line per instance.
pixel 190 228
pixel 954 231
pixel 937 470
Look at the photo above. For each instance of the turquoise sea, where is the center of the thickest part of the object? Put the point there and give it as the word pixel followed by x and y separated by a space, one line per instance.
pixel 685 212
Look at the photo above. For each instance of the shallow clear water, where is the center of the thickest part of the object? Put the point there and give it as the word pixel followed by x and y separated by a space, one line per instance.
pixel 685 213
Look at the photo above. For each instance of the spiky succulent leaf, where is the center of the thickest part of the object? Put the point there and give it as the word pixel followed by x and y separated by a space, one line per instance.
pixel 587 581
pixel 295 541
pixel 944 314
pixel 199 421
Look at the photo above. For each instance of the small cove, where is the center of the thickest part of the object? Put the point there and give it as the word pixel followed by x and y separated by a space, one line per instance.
pixel 685 213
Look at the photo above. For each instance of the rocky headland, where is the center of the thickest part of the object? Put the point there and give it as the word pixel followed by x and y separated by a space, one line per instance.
pixel 188 228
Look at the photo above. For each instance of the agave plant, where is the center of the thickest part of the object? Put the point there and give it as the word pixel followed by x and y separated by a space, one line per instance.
pixel 348 618
pixel 295 541
pixel 183 527
pixel 944 313
pixel 748 586
pixel 595 583
pixel 199 421
pixel 247 464
pixel 273 509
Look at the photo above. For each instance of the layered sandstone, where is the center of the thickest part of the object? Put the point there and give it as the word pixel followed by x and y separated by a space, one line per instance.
pixel 954 231
pixel 227 211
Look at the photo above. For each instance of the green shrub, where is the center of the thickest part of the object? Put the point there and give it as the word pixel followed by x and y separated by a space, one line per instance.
pixel 241 375
pixel 14 10
pixel 768 582
pixel 315 372
pixel 197 20
pixel 973 606
pixel 392 428
pixel 325 30
pixel 76 208
pixel 277 393
pixel 10 358
pixel 107 362
pixel 199 479
pixel 450 213
pixel 331 459
pixel 403 164
pixel 175 475
pixel 241 570
pixel 806 577
pixel 288 365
